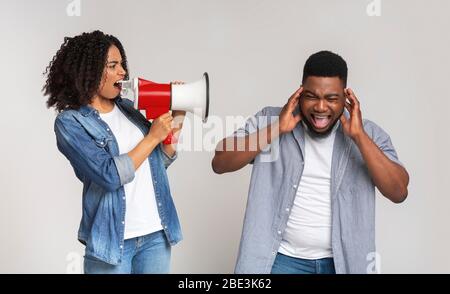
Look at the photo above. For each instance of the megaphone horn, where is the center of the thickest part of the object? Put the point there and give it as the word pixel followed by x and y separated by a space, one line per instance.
pixel 157 99
pixel 192 97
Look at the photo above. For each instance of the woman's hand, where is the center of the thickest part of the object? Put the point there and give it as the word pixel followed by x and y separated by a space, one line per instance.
pixel 178 117
pixel 161 127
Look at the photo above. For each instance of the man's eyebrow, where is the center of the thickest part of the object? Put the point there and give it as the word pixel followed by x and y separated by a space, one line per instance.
pixel 332 95
pixel 310 92
pixel 113 61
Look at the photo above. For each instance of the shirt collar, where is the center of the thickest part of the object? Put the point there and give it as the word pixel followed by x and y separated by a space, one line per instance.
pixel 86 110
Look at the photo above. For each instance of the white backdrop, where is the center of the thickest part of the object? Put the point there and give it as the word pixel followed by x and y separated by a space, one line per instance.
pixel 254 51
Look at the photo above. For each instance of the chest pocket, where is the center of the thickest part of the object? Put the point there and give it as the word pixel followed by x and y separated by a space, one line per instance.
pixel 102 142
pixel 358 180
pixel 96 131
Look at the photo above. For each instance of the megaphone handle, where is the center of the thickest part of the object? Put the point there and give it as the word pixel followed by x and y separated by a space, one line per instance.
pixel 170 139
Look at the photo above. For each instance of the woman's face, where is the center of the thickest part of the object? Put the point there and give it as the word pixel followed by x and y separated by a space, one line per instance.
pixel 114 72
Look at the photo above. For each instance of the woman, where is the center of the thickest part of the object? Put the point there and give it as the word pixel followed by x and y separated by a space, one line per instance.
pixel 129 221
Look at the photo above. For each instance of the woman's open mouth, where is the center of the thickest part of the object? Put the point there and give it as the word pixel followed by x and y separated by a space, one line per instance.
pixel 118 85
pixel 320 121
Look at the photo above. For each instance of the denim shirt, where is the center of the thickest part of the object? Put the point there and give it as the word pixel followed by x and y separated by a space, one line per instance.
pixel 92 150
pixel 273 185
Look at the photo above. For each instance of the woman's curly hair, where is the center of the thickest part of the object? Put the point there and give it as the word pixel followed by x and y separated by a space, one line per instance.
pixel 75 72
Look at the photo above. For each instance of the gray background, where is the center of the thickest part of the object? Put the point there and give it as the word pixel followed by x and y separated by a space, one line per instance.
pixel 254 52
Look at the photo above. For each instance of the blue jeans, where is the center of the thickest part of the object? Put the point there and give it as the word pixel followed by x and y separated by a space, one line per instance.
pixel 149 254
pixel 290 265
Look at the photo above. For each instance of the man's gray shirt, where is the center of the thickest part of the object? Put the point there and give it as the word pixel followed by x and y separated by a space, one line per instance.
pixel 275 177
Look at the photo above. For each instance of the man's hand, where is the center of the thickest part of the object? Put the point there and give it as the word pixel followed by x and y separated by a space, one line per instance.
pixel 389 177
pixel 288 121
pixel 353 127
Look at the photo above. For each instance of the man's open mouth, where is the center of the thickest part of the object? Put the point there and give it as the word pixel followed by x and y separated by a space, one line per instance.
pixel 320 121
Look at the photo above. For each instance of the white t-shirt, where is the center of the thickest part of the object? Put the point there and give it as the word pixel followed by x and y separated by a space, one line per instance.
pixel 308 230
pixel 141 213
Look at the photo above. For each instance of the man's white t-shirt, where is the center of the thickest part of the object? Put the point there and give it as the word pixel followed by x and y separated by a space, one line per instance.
pixel 308 231
pixel 141 213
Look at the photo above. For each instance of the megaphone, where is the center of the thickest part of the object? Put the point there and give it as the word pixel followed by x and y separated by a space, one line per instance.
pixel 157 99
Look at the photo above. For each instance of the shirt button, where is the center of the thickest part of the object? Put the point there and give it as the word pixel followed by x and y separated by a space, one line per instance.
pixel 98 117
pixel 121 246
pixel 287 209
pixel 165 227
pixel 123 198
pixel 123 223
pixel 295 186
pixel 279 232
pixel 159 203
pixel 107 130
pixel 273 252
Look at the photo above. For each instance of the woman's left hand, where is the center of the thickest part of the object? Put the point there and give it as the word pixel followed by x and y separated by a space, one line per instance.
pixel 178 116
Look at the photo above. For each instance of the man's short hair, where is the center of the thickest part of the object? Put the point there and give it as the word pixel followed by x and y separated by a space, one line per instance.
pixel 325 64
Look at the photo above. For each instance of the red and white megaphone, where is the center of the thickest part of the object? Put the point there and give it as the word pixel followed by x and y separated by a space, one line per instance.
pixel 157 99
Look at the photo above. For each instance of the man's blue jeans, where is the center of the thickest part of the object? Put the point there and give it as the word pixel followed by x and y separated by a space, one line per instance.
pixel 149 254
pixel 289 265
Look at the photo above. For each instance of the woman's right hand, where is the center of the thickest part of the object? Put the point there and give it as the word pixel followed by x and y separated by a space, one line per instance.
pixel 161 127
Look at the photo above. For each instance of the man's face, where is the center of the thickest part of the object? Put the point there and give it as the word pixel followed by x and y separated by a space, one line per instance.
pixel 322 103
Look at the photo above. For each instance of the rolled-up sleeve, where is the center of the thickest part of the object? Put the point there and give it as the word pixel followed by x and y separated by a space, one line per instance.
pixel 384 142
pixel 89 160
pixel 167 160
pixel 125 168
pixel 253 124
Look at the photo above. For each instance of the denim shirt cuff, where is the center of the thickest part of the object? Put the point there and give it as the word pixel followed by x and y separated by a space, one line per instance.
pixel 167 159
pixel 125 168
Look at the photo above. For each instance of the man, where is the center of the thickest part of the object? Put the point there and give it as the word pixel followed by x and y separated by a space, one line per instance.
pixel 312 208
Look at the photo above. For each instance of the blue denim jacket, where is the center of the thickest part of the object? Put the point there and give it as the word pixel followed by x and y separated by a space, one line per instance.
pixel 275 177
pixel 90 146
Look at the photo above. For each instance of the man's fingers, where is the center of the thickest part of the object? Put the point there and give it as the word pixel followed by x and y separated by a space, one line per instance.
pixel 294 100
pixel 350 92
pixel 295 95
pixel 348 106
pixel 292 104
pixel 352 97
pixel 299 91
pixel 343 119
